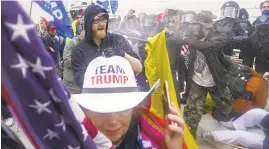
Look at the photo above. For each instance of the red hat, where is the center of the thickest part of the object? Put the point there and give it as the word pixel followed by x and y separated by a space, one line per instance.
pixel 82 11
pixel 43 20
pixel 51 28
pixel 159 17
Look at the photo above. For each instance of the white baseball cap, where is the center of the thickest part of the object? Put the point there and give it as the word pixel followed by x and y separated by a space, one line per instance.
pixel 110 86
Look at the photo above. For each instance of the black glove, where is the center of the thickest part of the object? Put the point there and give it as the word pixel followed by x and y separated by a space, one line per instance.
pixel 109 52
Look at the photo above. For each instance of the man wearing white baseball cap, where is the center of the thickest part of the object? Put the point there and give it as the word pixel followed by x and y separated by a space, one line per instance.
pixel 108 99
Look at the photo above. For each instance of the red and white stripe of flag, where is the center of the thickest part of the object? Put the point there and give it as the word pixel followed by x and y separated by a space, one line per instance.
pixel 184 50
pixel 100 140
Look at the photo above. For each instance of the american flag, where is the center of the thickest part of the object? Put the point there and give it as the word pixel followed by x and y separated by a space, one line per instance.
pixel 110 5
pixel 60 16
pixel 30 86
pixel 185 52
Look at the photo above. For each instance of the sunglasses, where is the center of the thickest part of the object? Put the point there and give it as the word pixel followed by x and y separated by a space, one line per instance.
pixel 99 20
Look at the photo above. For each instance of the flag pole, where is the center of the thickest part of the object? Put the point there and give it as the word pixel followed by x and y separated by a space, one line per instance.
pixel 31 8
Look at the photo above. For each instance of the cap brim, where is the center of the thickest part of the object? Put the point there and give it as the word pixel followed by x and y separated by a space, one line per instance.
pixel 99 15
pixel 112 102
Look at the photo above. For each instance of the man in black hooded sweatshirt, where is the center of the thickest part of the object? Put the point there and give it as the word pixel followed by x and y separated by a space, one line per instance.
pixel 99 42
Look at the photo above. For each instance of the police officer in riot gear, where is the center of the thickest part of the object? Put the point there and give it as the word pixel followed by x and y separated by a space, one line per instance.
pixel 244 29
pixel 142 16
pixel 230 9
pixel 260 42
pixel 113 23
pixel 150 25
pixel 245 25
pixel 228 24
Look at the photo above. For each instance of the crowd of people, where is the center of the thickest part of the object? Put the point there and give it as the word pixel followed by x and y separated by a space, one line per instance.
pixel 225 58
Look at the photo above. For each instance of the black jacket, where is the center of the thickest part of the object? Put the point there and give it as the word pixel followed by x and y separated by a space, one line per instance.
pixel 231 27
pixel 212 48
pixel 244 28
pixel 261 52
pixel 259 49
pixel 87 50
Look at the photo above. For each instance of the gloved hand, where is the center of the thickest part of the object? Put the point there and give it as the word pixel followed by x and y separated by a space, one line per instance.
pixel 109 52
pixel 266 76
pixel 236 60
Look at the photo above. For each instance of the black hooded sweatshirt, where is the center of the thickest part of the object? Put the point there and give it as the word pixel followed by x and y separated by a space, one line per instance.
pixel 87 50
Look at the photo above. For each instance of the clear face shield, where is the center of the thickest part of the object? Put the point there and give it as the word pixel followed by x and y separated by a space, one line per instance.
pixel 193 31
pixel 229 12
pixel 142 17
pixel 149 22
pixel 188 18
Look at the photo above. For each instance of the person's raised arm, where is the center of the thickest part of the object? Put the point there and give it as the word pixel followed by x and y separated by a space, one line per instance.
pixel 130 55
pixel 213 43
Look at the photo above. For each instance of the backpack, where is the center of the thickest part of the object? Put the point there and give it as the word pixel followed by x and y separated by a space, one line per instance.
pixel 237 80
pixel 247 87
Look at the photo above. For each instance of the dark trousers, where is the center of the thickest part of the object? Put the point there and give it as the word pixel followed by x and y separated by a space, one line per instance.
pixel 196 103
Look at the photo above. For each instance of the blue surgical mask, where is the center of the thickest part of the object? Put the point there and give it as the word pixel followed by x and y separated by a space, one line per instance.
pixel 265 12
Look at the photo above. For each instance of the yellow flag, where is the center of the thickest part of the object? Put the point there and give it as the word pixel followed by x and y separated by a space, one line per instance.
pixel 74 26
pixel 157 66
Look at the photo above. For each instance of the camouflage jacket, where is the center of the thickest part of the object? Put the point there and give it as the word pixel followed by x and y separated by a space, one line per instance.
pixel 68 76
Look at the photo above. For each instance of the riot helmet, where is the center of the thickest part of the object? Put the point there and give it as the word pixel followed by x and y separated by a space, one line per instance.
pixel 230 9
pixel 189 26
pixel 150 20
pixel 188 17
pixel 142 17
pixel 112 23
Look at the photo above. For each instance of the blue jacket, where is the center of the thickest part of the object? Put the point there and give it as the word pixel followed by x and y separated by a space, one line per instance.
pixel 53 43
